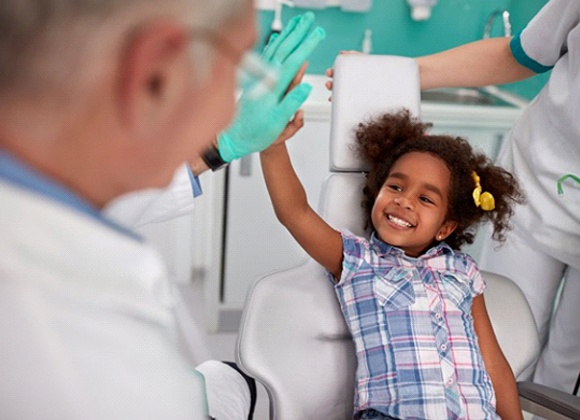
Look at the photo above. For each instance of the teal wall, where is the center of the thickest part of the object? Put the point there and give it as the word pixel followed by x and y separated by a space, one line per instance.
pixel 453 22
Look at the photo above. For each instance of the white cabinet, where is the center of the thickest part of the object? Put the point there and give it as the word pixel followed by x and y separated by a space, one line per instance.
pixel 255 243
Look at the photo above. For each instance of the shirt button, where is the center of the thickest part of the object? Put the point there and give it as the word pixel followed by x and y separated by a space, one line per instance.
pixel 443 347
pixel 419 264
pixel 437 315
pixel 449 381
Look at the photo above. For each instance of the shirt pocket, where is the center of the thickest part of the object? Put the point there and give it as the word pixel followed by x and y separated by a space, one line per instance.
pixel 394 290
pixel 458 291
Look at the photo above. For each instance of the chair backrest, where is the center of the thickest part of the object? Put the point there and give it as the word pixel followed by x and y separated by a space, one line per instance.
pixel 292 337
pixel 389 84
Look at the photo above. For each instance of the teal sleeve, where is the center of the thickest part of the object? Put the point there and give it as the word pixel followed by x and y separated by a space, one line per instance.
pixel 525 60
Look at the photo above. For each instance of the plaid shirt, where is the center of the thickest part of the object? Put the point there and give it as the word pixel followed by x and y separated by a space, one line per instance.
pixel 411 323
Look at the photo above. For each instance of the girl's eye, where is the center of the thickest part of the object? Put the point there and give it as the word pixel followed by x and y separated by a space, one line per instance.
pixel 426 200
pixel 394 187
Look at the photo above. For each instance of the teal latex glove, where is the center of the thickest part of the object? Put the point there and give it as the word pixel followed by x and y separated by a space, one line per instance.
pixel 259 121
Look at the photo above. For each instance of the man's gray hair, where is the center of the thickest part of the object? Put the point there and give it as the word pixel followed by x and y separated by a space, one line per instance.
pixel 45 42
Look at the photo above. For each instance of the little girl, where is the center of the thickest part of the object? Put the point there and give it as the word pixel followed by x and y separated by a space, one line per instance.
pixel 413 302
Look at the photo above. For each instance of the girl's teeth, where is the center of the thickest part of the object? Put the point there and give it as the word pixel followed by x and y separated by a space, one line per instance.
pixel 399 222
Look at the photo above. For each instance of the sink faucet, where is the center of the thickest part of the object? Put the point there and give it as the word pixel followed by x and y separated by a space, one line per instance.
pixel 507 27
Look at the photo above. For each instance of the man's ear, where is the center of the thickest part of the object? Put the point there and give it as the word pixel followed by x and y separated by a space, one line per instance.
pixel 151 73
pixel 446 229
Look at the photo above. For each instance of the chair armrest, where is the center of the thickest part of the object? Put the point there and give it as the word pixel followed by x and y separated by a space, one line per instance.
pixel 548 402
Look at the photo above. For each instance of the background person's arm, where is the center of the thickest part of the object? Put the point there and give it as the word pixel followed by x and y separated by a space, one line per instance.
pixel 480 63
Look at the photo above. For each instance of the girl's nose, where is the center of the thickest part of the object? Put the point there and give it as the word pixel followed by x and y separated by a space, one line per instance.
pixel 404 202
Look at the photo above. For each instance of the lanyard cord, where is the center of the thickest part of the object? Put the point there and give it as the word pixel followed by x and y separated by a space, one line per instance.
pixel 564 178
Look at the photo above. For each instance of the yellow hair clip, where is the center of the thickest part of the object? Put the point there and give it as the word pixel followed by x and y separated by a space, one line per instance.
pixel 484 200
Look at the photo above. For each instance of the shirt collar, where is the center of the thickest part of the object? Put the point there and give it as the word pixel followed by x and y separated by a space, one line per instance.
pixel 382 248
pixel 18 173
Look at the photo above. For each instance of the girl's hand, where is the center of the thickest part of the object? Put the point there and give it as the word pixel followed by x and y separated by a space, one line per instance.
pixel 291 128
pixel 297 121
pixel 297 78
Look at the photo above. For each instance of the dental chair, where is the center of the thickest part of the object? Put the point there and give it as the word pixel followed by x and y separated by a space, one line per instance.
pixel 293 338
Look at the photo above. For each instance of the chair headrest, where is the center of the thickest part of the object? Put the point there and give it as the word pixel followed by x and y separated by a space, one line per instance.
pixel 365 86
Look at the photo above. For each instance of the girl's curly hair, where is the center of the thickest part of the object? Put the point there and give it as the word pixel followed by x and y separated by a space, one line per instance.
pixel 382 141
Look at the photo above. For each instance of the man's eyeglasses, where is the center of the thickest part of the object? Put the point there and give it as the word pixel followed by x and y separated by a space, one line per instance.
pixel 255 76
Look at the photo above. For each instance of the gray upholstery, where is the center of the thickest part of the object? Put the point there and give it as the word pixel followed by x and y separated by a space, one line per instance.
pixel 512 322
pixel 294 341
pixel 293 338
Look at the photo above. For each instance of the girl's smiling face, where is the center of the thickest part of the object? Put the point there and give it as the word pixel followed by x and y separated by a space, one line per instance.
pixel 411 207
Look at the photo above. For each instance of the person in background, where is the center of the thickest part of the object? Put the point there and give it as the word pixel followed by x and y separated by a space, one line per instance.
pixel 101 99
pixel 542 253
pixel 412 301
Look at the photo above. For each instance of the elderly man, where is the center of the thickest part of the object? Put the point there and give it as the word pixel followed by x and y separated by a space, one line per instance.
pixel 101 98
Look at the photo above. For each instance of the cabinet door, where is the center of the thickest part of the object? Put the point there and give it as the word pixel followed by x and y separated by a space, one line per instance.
pixel 255 242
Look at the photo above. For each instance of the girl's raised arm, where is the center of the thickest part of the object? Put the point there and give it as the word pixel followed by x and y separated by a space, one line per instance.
pixel 315 236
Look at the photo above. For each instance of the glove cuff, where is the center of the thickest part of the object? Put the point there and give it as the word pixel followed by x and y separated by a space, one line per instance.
pixel 212 158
